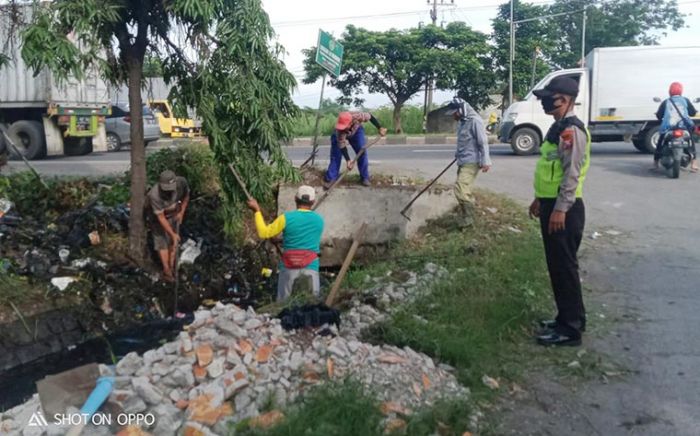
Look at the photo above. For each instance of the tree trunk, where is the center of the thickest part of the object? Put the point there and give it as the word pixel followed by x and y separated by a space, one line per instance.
pixel 397 117
pixel 137 227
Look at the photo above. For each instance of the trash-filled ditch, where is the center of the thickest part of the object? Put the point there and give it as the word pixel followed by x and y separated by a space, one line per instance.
pixel 73 260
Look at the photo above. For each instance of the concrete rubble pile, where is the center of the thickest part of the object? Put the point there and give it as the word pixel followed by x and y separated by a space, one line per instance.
pixel 231 364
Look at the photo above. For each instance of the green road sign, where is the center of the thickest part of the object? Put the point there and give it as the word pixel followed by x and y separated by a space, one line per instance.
pixel 329 53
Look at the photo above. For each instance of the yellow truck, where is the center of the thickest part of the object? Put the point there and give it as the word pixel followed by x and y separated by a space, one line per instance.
pixel 171 126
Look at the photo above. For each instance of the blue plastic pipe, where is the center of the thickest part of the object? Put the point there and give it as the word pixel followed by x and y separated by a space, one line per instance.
pixel 98 395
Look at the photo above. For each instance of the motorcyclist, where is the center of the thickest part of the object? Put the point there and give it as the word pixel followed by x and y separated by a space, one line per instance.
pixel 675 113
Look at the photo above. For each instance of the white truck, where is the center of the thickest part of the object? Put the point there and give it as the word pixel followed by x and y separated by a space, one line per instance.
pixel 616 96
pixel 43 117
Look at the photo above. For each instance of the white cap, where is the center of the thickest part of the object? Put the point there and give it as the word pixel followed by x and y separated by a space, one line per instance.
pixel 306 193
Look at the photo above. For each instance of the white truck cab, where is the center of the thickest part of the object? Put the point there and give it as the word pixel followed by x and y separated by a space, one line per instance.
pixel 525 124
pixel 616 96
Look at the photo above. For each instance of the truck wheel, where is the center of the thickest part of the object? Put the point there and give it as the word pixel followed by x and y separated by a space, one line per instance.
pixel 28 137
pixel 77 146
pixel 640 145
pixel 525 141
pixel 113 142
pixel 651 138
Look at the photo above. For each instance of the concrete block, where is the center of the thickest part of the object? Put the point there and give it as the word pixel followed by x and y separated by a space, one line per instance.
pixel 436 139
pixel 396 140
pixel 347 207
pixel 415 140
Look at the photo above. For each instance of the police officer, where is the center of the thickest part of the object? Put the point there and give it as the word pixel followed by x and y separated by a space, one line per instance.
pixel 559 176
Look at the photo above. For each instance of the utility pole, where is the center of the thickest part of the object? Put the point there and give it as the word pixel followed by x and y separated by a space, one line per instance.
pixel 527 20
pixel 534 66
pixel 512 49
pixel 429 84
pixel 583 41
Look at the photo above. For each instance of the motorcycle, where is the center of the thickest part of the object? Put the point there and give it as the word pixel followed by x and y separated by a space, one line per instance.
pixel 675 155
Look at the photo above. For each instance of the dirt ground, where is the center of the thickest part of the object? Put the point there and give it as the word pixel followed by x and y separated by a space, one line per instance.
pixel 645 380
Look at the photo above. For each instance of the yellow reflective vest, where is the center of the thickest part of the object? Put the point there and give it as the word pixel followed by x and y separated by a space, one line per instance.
pixel 549 172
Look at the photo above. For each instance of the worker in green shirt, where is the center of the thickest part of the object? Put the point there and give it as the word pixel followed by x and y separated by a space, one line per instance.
pixel 559 176
pixel 301 233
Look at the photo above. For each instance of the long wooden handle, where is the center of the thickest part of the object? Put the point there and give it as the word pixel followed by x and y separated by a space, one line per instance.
pixel 410 203
pixel 249 197
pixel 359 236
pixel 240 181
pixel 343 174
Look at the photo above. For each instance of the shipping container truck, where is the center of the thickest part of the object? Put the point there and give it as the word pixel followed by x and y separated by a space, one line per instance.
pixel 616 96
pixel 45 117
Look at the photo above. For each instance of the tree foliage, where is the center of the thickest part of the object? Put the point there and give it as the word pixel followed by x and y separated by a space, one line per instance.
pixel 529 37
pixel 216 53
pixel 242 92
pixel 612 23
pixel 398 63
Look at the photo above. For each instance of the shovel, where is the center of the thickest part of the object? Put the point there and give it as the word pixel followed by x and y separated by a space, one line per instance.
pixel 177 269
pixel 410 203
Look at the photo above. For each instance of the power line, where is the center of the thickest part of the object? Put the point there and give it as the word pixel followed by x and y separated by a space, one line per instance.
pixel 390 15
pixel 420 12
pixel 328 20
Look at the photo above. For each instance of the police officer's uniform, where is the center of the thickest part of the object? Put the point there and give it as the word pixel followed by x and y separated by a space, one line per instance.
pixel 559 177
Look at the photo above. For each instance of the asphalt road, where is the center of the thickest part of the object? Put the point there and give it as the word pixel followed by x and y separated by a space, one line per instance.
pixel 643 272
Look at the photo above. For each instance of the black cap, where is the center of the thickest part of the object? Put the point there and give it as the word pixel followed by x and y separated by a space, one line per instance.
pixel 559 85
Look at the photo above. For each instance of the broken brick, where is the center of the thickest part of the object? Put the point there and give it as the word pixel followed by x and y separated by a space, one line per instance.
pixel 244 347
pixel 426 382
pixel 200 374
pixel 263 354
pixel 330 366
pixel 205 355
pixel 267 420
pixel 390 407
pixel 391 358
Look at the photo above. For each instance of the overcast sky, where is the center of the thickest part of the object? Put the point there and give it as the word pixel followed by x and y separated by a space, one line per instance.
pixel 297 24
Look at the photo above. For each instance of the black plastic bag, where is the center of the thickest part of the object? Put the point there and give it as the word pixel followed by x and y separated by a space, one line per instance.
pixel 310 315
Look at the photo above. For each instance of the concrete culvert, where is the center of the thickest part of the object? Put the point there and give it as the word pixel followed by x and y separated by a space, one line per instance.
pixel 347 207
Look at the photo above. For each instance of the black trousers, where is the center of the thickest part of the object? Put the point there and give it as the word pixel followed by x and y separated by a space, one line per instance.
pixel 561 251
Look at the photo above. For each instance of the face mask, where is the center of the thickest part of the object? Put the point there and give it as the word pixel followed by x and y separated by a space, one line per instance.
pixel 548 104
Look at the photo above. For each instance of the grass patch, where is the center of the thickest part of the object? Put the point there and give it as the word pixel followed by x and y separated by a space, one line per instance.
pixel 332 409
pixel 481 316
pixel 411 121
pixel 347 409
pixel 16 289
pixel 444 418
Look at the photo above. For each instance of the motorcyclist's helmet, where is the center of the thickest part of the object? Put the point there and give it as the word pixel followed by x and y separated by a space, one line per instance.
pixel 676 88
